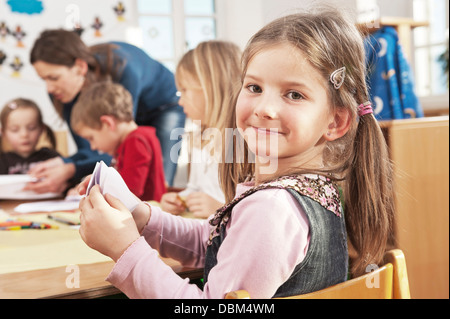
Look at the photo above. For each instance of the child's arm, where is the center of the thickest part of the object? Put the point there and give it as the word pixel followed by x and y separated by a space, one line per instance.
pixel 179 238
pixel 266 239
pixel 141 213
pixel 202 205
pixel 106 224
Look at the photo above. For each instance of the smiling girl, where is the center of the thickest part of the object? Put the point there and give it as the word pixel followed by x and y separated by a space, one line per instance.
pixel 284 231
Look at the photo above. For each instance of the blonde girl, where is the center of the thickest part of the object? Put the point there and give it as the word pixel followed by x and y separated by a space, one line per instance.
pixel 207 78
pixel 285 231
pixel 21 128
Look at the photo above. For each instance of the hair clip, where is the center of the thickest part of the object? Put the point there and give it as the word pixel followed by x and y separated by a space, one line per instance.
pixel 338 77
pixel 364 109
pixel 13 105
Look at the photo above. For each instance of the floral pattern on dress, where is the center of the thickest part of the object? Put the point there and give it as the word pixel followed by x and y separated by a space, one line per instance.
pixel 317 187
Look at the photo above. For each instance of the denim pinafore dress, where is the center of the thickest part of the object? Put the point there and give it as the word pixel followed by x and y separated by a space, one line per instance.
pixel 326 261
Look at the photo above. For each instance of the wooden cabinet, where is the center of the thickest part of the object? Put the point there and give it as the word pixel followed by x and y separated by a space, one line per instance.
pixel 420 151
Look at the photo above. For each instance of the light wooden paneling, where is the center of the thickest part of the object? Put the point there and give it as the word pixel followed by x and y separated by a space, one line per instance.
pixel 420 151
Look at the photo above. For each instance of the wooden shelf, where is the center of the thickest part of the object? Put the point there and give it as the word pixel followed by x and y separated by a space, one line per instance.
pixel 394 22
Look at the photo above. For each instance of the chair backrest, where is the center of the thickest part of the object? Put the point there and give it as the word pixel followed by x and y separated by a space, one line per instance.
pixel 389 281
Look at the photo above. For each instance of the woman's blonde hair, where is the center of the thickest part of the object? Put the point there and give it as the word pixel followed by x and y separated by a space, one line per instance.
pixel 359 160
pixel 216 66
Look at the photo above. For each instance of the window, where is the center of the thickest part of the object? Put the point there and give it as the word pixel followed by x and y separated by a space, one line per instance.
pixel 171 27
pixel 429 44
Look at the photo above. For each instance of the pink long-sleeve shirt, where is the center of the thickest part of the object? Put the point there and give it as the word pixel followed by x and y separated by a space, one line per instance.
pixel 267 237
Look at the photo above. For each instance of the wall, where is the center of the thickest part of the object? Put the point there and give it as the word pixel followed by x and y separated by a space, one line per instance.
pixel 239 20
pixel 276 9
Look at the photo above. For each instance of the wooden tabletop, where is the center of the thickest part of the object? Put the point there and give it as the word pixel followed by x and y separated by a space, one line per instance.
pixel 46 263
pixel 57 283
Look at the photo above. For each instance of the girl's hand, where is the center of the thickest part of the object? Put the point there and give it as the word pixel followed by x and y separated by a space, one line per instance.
pixel 82 187
pixel 141 213
pixel 106 224
pixel 172 204
pixel 202 205
pixel 41 167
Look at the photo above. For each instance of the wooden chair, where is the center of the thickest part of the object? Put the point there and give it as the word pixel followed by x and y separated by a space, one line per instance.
pixel 390 281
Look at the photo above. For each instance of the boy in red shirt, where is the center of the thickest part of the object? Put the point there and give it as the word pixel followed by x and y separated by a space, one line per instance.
pixel 103 115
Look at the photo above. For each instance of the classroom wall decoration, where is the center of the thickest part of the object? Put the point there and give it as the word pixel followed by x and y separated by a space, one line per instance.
pixel 120 11
pixel 2 58
pixel 97 25
pixel 4 30
pixel 78 29
pixel 16 65
pixel 19 34
pixel 26 6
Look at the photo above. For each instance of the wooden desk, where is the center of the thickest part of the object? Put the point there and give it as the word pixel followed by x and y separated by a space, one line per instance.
pixel 37 263
pixel 51 283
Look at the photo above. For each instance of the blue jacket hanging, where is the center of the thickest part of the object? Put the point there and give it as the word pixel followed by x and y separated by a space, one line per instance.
pixel 390 78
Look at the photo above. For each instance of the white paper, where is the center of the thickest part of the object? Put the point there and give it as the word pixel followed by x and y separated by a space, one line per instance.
pixel 112 183
pixel 48 206
pixel 11 187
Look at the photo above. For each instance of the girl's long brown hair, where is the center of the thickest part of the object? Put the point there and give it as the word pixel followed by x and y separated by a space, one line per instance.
pixel 62 47
pixel 359 161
